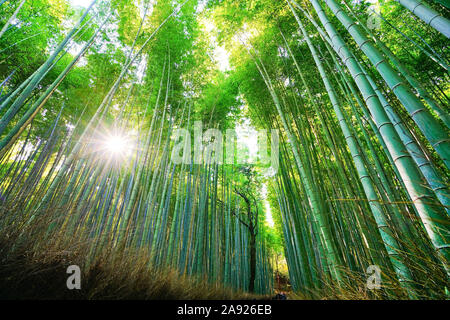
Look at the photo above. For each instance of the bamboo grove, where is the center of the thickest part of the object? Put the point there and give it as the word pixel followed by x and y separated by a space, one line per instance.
pixel 182 215
pixel 360 100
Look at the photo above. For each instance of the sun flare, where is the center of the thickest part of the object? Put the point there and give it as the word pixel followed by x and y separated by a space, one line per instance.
pixel 116 144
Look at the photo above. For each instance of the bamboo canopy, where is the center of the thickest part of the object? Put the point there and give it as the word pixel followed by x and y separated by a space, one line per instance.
pixel 110 118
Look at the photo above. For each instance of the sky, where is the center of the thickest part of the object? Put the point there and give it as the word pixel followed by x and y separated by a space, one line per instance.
pixel 221 55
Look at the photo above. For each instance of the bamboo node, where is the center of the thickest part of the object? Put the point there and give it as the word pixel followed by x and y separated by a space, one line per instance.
pixel 416 112
pixel 429 22
pixel 397 85
pixel 440 141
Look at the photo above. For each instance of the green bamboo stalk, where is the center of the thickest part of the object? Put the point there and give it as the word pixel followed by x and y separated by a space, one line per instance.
pixel 427 15
pixel 431 128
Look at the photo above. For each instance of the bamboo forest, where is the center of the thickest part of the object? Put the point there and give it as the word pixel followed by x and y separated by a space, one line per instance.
pixel 225 149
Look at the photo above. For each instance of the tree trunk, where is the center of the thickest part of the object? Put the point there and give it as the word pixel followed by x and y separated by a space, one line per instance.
pixel 252 261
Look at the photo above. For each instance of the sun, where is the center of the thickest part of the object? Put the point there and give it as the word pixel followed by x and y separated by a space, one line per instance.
pixel 113 144
pixel 116 144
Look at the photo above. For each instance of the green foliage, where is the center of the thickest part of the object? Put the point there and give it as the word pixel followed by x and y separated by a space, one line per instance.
pixel 151 68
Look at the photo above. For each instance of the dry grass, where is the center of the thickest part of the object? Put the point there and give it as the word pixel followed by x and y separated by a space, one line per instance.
pixel 34 268
pixel 355 288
